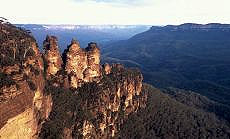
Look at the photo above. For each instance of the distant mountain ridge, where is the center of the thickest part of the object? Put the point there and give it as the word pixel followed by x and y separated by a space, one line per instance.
pixel 193 26
pixel 84 33
pixel 46 95
pixel 189 56
pixel 69 26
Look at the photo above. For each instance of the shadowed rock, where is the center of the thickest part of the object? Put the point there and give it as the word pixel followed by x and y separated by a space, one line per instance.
pixel 52 56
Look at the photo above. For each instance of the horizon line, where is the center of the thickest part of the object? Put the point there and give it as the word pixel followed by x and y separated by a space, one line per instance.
pixel 49 24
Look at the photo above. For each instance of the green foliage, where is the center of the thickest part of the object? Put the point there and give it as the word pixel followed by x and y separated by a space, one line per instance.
pixel 165 117
pixel 68 109
pixel 64 103
pixel 88 91
pixel 194 60
pixel 73 107
pixel 197 101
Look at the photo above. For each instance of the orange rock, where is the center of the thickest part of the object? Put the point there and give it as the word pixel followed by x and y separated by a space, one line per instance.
pixel 107 68
pixel 84 64
pixel 52 56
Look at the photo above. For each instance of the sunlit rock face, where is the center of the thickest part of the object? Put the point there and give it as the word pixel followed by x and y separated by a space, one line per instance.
pixel 52 56
pixel 96 109
pixel 23 105
pixel 93 58
pixel 82 65
pixel 120 95
pixel 43 97
pixel 107 68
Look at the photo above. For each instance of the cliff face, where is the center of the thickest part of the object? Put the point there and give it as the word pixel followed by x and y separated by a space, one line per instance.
pixel 52 56
pixel 82 65
pixel 96 109
pixel 43 96
pixel 23 105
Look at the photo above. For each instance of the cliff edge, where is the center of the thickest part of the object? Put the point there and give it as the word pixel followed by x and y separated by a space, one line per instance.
pixel 70 95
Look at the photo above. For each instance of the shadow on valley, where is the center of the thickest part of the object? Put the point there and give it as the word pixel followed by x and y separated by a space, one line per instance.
pixel 165 117
pixel 189 56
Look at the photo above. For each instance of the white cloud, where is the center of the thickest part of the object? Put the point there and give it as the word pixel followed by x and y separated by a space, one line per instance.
pixel 153 12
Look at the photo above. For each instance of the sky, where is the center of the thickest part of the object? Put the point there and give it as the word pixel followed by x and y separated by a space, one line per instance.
pixel 123 12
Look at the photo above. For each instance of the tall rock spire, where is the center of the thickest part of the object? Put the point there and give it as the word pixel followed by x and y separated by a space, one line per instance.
pixel 76 63
pixel 93 58
pixel 83 65
pixel 52 56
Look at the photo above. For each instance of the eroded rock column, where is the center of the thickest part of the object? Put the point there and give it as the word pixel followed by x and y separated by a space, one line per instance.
pixel 52 56
pixel 82 65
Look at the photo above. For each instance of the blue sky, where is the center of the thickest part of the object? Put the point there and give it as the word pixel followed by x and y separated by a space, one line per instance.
pixel 150 12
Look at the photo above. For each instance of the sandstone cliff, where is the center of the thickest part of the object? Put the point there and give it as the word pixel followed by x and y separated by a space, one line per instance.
pixel 82 65
pixel 96 109
pixel 23 105
pixel 52 56
pixel 73 96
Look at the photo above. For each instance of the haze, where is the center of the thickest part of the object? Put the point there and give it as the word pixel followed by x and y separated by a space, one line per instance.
pixel 150 12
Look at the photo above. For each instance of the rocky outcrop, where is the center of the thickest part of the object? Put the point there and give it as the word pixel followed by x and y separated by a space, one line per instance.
pixel 97 99
pixel 93 59
pixel 96 109
pixel 118 96
pixel 80 99
pixel 23 105
pixel 82 65
pixel 52 56
pixel 43 97
pixel 107 68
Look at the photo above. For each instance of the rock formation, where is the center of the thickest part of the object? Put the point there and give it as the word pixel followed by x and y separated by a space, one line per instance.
pixel 107 68
pixel 52 56
pixel 93 59
pixel 76 98
pixel 23 104
pixel 96 109
pixel 82 65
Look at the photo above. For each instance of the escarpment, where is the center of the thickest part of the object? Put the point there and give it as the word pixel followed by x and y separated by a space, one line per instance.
pixel 96 109
pixel 90 100
pixel 69 96
pixel 23 105
pixel 49 95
